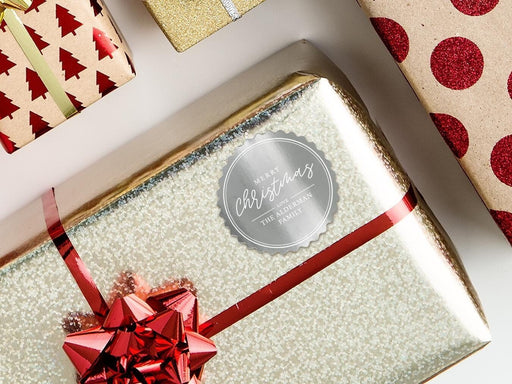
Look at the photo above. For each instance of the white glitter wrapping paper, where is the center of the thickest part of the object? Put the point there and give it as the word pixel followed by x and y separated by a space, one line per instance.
pixel 397 310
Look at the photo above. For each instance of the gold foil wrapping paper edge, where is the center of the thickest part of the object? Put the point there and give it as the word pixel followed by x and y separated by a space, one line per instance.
pixel 457 362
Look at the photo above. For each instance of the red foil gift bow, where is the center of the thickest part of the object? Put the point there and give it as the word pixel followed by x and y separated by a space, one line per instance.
pixel 152 341
pixel 143 342
pixel 159 340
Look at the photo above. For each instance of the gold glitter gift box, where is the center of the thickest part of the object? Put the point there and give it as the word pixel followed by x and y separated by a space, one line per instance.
pixel 178 203
pixel 187 22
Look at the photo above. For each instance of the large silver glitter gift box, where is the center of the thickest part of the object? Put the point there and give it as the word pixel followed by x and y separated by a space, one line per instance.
pixel 238 189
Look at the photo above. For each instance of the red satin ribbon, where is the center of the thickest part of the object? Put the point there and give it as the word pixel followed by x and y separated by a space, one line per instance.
pixel 70 256
pixel 251 303
pixel 310 267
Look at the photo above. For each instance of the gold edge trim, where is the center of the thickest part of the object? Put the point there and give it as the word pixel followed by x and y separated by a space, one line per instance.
pixel 482 346
pixel 290 85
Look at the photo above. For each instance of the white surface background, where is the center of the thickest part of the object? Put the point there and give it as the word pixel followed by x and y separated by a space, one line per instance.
pixel 167 81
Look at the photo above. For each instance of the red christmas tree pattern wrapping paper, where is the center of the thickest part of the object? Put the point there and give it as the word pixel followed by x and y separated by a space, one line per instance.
pixel 457 56
pixel 82 46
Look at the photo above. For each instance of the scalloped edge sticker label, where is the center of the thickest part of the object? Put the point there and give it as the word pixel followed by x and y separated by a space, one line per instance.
pixel 278 193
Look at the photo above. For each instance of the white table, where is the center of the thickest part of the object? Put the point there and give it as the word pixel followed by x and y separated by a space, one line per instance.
pixel 167 81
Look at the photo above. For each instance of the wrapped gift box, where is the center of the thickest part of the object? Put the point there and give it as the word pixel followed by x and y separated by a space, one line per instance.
pixel 178 204
pixel 56 58
pixel 455 55
pixel 187 22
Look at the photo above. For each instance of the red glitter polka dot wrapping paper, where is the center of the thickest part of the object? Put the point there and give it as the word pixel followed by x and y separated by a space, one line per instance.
pixel 84 53
pixel 457 56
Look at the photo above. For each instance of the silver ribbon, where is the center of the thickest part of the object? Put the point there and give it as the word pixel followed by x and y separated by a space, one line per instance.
pixel 231 9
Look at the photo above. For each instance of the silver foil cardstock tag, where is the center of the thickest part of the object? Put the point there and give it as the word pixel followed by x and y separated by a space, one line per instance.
pixel 278 192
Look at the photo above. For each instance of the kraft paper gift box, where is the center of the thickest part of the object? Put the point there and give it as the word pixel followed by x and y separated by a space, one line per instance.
pixel 456 57
pixel 56 58
pixel 281 174
pixel 187 22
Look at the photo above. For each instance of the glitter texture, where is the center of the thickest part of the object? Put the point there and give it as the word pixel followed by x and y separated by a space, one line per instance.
pixel 186 22
pixel 509 85
pixel 397 310
pixel 475 7
pixel 457 63
pixel 504 220
pixel 453 131
pixel 393 36
pixel 501 160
